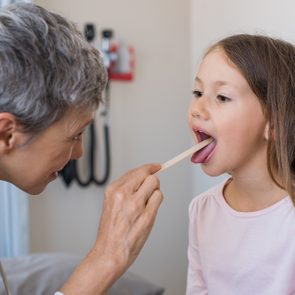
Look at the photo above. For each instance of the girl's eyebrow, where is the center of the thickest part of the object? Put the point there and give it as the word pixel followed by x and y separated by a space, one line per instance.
pixel 197 79
pixel 218 82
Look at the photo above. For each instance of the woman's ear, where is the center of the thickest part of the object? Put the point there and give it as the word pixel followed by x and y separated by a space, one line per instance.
pixel 8 126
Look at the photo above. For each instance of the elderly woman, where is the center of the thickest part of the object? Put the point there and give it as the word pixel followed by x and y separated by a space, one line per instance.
pixel 51 82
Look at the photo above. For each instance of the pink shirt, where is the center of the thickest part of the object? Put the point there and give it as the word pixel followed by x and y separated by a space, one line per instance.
pixel 240 253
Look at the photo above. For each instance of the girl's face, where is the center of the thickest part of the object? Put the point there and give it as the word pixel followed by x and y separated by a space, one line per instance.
pixel 34 164
pixel 225 108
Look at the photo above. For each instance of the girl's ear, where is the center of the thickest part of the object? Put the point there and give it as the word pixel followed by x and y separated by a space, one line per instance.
pixel 8 126
pixel 267 131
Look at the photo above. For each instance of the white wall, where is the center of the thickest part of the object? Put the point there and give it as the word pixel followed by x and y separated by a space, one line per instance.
pixel 148 123
pixel 148 118
pixel 214 19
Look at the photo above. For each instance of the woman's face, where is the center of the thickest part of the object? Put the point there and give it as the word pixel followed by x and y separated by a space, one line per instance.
pixel 33 165
pixel 225 108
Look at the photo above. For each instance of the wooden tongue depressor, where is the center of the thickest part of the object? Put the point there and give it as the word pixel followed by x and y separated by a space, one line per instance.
pixel 185 154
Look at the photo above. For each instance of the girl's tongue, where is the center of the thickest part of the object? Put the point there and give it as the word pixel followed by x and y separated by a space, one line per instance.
pixel 203 155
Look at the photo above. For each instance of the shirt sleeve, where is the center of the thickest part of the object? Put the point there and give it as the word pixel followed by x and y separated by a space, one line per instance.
pixel 196 283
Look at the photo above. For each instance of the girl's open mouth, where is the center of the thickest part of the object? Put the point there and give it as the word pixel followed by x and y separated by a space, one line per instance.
pixel 203 155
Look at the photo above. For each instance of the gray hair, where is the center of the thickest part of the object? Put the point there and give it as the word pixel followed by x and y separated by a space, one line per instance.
pixel 46 67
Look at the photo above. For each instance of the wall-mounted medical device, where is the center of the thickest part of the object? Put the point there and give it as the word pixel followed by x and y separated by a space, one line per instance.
pixel 118 58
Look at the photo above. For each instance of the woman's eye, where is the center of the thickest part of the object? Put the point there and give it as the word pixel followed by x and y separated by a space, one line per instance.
pixel 197 93
pixel 223 98
pixel 78 136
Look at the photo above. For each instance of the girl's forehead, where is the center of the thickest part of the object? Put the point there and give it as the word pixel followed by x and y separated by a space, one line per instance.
pixel 217 70
pixel 217 57
pixel 217 65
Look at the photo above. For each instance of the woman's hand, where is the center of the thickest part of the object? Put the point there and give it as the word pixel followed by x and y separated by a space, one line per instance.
pixel 129 212
pixel 130 208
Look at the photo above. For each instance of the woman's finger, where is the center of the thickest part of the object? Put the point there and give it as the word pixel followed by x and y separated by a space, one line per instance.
pixel 149 185
pixel 133 179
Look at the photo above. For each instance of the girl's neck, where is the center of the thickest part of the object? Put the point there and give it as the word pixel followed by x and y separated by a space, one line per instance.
pixel 252 193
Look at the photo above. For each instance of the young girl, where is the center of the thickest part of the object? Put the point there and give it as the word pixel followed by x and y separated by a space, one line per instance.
pixel 242 232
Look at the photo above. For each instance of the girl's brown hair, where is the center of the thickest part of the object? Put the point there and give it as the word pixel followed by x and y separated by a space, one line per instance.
pixel 268 65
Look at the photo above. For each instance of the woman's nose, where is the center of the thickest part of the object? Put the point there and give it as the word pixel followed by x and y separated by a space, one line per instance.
pixel 199 109
pixel 77 151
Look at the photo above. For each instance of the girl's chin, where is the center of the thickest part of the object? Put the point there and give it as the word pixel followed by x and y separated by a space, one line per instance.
pixel 211 171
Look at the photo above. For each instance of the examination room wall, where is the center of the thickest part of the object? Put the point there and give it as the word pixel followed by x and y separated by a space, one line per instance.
pixel 212 20
pixel 148 118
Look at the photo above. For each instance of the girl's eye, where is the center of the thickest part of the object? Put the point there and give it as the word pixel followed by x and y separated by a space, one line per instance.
pixel 223 98
pixel 197 93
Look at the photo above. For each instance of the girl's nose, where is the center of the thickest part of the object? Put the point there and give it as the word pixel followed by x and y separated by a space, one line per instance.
pixel 199 109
